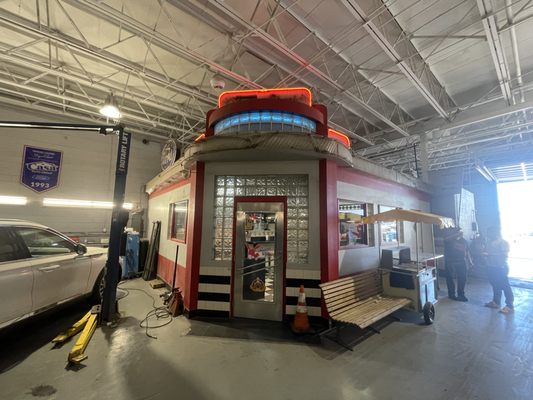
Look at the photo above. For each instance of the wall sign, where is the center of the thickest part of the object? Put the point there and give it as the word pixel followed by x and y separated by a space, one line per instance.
pixel 169 154
pixel 40 168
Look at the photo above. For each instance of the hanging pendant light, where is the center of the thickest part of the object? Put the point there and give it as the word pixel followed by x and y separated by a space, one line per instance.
pixel 110 108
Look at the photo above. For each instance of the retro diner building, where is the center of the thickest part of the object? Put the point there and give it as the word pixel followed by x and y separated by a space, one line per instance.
pixel 267 199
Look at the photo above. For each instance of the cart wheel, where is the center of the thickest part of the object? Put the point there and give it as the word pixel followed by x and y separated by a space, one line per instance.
pixel 429 313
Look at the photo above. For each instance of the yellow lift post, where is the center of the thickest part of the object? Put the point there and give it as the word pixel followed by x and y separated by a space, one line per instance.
pixel 88 323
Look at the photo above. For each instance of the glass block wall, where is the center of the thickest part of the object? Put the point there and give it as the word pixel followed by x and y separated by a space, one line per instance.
pixel 295 187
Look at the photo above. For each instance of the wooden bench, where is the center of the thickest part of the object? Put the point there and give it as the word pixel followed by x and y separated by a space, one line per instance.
pixel 358 300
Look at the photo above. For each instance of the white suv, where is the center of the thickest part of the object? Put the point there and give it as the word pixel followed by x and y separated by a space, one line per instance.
pixel 41 268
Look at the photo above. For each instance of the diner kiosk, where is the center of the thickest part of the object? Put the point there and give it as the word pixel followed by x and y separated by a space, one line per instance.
pixel 268 198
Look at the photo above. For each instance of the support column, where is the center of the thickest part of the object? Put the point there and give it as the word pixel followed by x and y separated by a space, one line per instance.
pixel 194 236
pixel 329 235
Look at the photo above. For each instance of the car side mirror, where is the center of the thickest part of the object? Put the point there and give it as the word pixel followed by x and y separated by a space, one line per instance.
pixel 81 249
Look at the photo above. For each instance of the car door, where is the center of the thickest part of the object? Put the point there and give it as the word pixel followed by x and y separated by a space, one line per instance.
pixel 16 277
pixel 60 273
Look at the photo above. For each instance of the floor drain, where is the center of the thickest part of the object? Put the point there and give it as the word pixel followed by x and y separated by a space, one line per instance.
pixel 43 390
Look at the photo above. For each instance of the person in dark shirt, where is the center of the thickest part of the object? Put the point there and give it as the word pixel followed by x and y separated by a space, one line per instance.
pixel 456 258
pixel 496 253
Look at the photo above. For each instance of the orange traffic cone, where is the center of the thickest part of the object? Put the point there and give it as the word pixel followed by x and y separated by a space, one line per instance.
pixel 301 321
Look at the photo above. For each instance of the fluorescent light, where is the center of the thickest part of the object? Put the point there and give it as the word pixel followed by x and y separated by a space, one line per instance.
pixel 13 200
pixel 82 203
pixel 110 108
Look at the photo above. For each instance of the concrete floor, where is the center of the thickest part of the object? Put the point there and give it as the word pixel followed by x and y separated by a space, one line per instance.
pixel 471 352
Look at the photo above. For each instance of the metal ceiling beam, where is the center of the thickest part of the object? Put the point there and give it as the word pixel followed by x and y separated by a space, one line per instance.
pixel 18 23
pixel 496 49
pixel 388 34
pixel 20 104
pixel 287 52
pixel 117 17
pixel 33 63
pixel 466 117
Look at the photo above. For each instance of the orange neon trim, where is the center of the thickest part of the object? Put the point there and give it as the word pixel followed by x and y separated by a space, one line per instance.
pixel 261 93
pixel 341 137
pixel 200 137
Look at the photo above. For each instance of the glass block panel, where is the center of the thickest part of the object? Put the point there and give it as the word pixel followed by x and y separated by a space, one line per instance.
pixel 220 181
pixel 218 243
pixel 230 192
pixel 271 181
pixel 292 245
pixel 303 213
pixel 240 181
pixel 219 233
pixel 292 223
pixel 261 191
pixel 302 201
pixel 282 191
pixel 229 201
pixel 228 223
pixel 219 201
pixel 218 254
pixel 292 202
pixel 260 181
pixel 220 191
pixel 251 191
pixel 271 191
pixel 303 224
pixel 228 211
pixel 226 254
pixel 303 245
pixel 230 181
pixel 239 191
pixel 250 181
pixel 292 257
pixel 219 212
pixel 292 234
pixel 302 190
pixel 292 191
pixel 302 234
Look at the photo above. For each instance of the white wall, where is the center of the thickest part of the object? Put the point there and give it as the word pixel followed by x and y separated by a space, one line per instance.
pixel 87 173
pixel 159 210
pixel 358 259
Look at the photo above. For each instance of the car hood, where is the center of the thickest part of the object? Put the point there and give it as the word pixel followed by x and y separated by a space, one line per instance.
pixel 94 251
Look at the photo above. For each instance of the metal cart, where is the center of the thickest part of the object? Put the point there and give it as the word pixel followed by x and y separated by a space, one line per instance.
pixel 415 279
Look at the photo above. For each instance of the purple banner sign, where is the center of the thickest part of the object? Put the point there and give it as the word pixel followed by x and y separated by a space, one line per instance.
pixel 40 168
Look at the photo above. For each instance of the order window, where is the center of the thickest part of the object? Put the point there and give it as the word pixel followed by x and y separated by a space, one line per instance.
pixel 352 232
pixel 178 220
pixel 390 232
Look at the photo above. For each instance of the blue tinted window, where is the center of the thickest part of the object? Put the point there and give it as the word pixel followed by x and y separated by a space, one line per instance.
pixel 287 118
pixel 266 116
pixel 255 117
pixel 297 120
pixel 276 117
pixel 235 121
pixel 245 118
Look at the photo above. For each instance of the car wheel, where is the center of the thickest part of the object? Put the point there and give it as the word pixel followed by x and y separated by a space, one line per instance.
pixel 99 287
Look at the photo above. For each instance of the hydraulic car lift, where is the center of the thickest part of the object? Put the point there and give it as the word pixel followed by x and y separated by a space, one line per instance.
pixel 119 217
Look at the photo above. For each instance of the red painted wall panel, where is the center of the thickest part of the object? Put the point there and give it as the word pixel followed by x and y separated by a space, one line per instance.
pixel 165 268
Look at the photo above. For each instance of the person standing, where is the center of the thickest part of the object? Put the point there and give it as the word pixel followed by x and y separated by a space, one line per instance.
pixel 496 253
pixel 456 257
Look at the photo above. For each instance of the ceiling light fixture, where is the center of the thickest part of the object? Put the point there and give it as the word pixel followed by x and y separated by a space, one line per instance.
pixel 110 108
pixel 82 203
pixel 13 200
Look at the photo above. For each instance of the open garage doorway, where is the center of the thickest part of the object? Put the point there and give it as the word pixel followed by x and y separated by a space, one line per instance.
pixel 516 215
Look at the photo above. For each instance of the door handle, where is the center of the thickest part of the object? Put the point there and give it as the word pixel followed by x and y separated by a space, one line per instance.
pixel 49 268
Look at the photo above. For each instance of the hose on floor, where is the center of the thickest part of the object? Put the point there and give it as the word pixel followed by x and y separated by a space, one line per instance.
pixel 160 313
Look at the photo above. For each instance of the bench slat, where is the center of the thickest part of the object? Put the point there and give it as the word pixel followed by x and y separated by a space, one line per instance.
pixel 369 309
pixel 361 291
pixel 365 320
pixel 353 284
pixel 340 282
pixel 360 295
